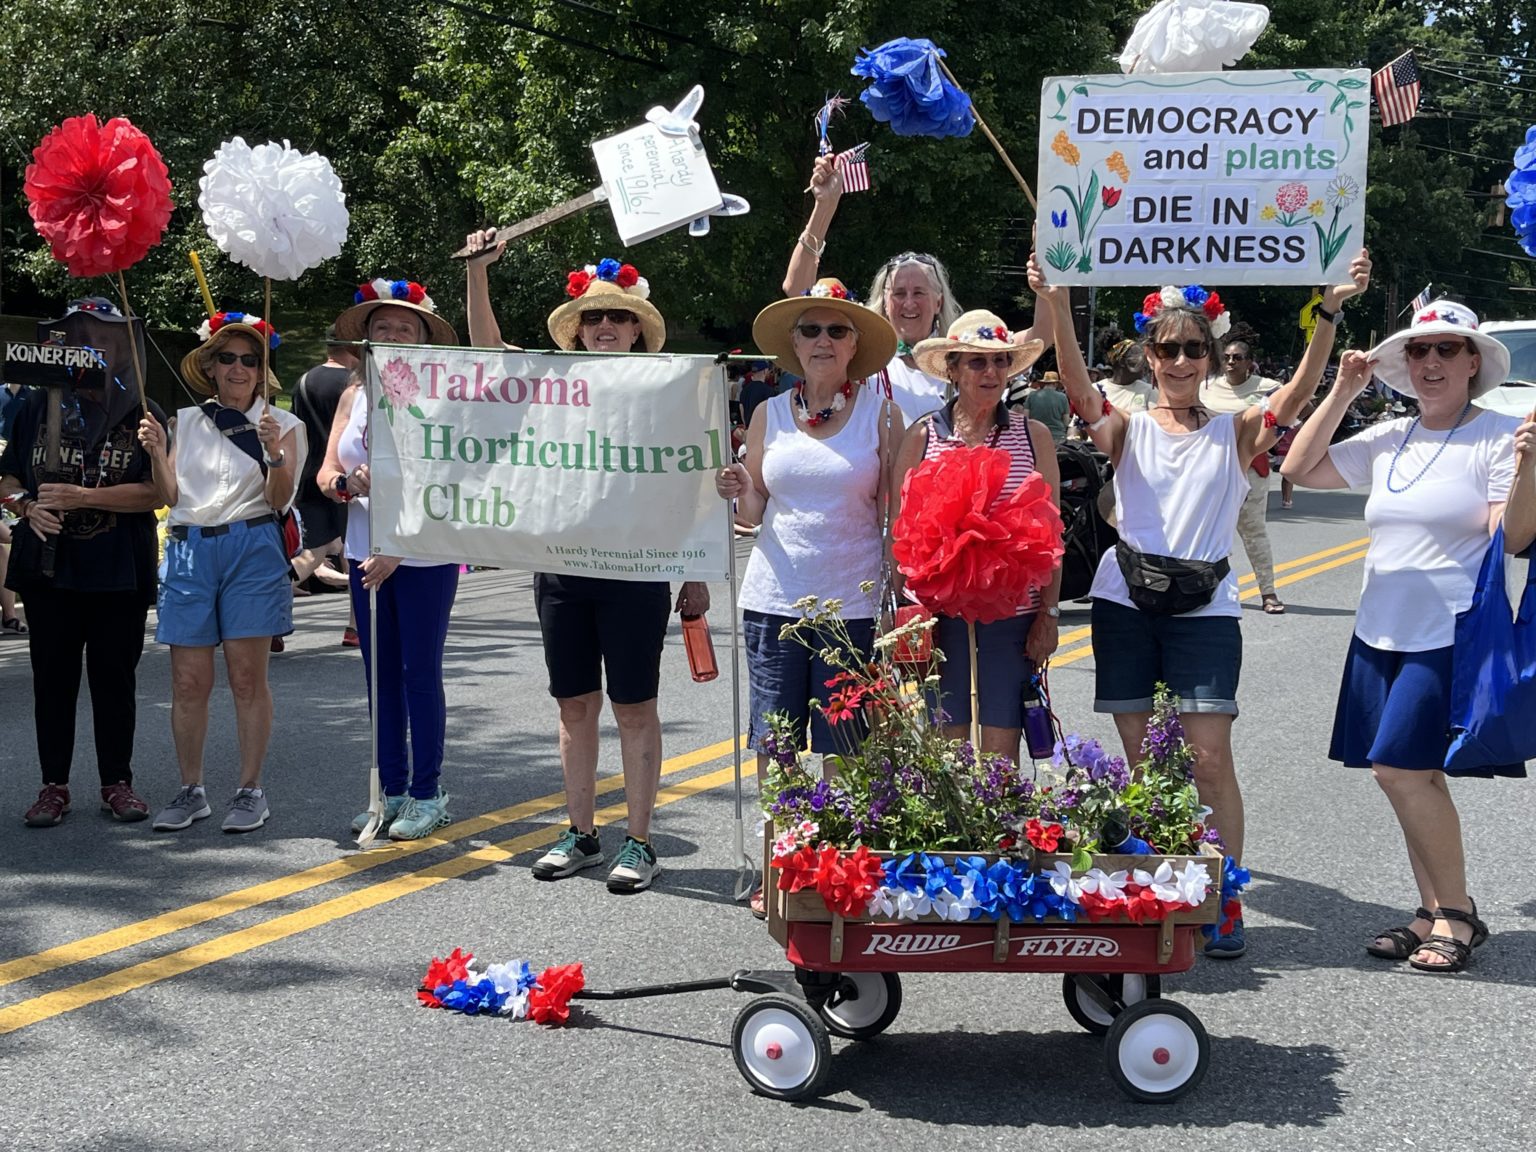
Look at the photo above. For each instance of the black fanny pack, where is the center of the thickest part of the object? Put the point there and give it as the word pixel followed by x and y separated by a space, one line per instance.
pixel 1166 585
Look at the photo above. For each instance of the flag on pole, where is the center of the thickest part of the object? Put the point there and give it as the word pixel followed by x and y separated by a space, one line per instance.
pixel 1422 299
pixel 854 168
pixel 1396 88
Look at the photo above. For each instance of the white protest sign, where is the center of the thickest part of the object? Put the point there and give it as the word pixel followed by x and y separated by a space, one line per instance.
pixel 655 181
pixel 595 465
pixel 1213 177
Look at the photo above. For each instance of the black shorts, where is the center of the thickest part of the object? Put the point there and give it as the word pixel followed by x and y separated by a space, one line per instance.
pixel 323 520
pixel 592 627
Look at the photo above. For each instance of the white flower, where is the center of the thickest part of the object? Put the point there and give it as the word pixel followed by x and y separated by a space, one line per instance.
pixel 1063 884
pixel 381 288
pixel 882 902
pixel 956 907
pixel 516 1006
pixel 1221 325
pixel 590 269
pixel 912 905
pixel 1162 882
pixel 1110 886
pixel 640 288
pixel 1193 882
pixel 819 290
pixel 1172 295
pixel 273 208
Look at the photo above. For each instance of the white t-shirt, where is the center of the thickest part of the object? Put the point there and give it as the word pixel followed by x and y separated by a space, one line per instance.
pixel 915 393
pixel 1137 396
pixel 1428 542
pixel 1219 396
pixel 1177 495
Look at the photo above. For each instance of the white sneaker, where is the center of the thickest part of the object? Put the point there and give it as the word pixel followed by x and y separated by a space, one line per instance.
pixel 570 854
pixel 634 868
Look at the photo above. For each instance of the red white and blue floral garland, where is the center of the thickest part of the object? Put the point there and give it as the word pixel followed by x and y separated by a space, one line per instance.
pixel 510 990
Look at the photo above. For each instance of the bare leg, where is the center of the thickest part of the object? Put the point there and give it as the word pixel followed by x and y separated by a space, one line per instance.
pixel 1210 735
pixel 311 562
pixel 1432 828
pixel 1132 727
pixel 246 662
pixel 578 756
pixel 994 741
pixel 640 749
pixel 191 684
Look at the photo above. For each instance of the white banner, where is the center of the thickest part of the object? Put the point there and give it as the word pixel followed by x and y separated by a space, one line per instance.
pixel 1209 177
pixel 594 465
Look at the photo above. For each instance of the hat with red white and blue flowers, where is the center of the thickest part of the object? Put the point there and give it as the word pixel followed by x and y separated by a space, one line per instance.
pixel 380 293
pixel 1441 318
pixel 607 286
pixel 975 331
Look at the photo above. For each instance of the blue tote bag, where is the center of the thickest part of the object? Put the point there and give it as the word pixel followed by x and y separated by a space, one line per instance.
pixel 1493 676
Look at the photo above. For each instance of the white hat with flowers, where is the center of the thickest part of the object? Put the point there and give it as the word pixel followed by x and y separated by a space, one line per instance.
pixel 1441 318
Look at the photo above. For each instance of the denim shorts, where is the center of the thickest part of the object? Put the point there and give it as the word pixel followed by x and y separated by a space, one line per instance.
pixel 1001 668
pixel 785 674
pixel 226 587
pixel 1199 658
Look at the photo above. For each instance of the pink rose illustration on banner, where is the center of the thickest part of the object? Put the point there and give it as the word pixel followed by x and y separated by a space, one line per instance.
pixel 401 389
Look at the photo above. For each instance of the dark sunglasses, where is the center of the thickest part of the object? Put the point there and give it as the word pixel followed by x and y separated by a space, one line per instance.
pixel 249 359
pixel 1170 349
pixel 912 258
pixel 614 315
pixel 1445 349
pixel 833 331
pixel 999 360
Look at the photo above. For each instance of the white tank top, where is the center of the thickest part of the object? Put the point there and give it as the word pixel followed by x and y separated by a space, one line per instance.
pixel 352 452
pixel 821 529
pixel 1177 495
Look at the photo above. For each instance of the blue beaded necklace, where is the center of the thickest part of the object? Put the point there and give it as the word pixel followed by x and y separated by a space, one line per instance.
pixel 1425 470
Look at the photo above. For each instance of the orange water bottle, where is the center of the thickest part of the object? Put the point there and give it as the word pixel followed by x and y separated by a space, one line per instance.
pixel 700 648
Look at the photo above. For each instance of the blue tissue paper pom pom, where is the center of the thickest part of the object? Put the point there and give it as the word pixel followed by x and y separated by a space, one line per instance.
pixel 608 269
pixel 1520 187
pixel 910 91
pixel 1196 295
pixel 400 289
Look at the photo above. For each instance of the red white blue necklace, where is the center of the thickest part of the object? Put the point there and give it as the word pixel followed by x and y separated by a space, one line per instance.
pixel 810 419
pixel 1451 431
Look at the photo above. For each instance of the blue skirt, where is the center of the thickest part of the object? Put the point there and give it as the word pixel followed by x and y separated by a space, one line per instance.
pixel 1395 710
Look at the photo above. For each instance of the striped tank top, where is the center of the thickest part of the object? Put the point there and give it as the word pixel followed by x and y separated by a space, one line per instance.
pixel 1010 432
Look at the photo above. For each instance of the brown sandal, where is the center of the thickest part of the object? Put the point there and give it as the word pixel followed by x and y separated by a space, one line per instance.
pixel 1457 954
pixel 1405 941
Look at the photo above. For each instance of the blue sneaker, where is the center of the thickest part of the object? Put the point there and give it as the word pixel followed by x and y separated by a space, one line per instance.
pixel 419 817
pixel 1229 946
pixel 392 806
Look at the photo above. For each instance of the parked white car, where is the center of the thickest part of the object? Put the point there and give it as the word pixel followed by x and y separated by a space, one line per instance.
pixel 1517 396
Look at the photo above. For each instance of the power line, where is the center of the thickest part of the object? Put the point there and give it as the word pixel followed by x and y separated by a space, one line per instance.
pixel 558 37
pixel 1475 80
pixel 1459 152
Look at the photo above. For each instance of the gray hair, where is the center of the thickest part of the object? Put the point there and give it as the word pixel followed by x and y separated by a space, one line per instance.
pixel 938 279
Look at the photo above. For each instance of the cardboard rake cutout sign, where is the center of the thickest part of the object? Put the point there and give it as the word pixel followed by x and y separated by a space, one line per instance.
pixel 594 465
pixel 1216 177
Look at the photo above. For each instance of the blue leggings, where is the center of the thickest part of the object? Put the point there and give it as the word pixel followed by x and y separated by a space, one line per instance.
pixel 414 605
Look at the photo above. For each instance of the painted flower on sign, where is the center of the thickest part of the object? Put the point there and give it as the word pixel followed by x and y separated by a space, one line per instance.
pixel 401 389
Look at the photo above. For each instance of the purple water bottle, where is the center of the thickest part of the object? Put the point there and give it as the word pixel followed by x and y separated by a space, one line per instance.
pixel 1039 733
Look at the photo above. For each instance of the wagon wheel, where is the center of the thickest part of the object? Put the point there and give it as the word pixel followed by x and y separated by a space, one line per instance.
pixel 1157 1051
pixel 862 1005
pixel 1130 988
pixel 781 1047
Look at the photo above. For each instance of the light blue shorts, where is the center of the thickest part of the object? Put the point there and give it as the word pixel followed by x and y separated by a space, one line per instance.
pixel 224 587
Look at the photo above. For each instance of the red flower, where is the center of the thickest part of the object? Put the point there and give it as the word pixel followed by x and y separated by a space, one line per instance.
pixel 1213 306
pixel 549 1001
pixel 99 194
pixel 1096 907
pixel 441 973
pixel 839 707
pixel 798 869
pixel 1111 196
pixel 846 882
pixel 627 277
pixel 1044 836
pixel 576 283
pixel 967 552
pixel 415 293
pixel 1153 304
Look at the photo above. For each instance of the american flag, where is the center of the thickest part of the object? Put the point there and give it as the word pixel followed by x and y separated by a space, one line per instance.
pixel 1422 299
pixel 1396 88
pixel 854 168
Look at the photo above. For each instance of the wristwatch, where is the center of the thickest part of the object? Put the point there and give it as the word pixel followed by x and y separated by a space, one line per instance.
pixel 1053 611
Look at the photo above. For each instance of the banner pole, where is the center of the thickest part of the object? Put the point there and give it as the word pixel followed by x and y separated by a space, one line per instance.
pixel 746 872
pixel 375 822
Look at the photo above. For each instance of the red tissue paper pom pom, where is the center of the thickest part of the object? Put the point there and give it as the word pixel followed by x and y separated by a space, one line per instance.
pixel 550 1001
pixel 99 194
pixel 576 283
pixel 1213 306
pixel 966 553
pixel 1152 304
pixel 628 276
pixel 416 293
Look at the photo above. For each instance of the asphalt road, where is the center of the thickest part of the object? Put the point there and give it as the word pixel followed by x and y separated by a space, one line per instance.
pixel 197 990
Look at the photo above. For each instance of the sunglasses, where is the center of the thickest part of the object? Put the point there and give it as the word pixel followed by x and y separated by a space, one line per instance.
pixel 248 359
pixel 833 331
pixel 613 315
pixel 1445 349
pixel 999 360
pixel 912 258
pixel 1170 349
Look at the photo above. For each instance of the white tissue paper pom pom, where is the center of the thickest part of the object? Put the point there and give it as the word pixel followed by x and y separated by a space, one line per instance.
pixel 272 208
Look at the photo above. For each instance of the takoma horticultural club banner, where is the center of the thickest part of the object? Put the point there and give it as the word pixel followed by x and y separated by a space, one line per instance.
pixel 1209 177
pixel 594 465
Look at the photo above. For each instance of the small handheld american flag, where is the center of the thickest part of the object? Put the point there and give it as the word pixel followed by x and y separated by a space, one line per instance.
pixel 855 168
pixel 1396 88
pixel 1421 301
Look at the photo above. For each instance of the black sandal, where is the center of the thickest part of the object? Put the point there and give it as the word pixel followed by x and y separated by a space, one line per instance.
pixel 1405 941
pixel 1457 954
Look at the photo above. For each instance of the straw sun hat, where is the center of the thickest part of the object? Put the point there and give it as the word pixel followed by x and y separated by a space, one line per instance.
pixel 217 332
pixel 1441 318
pixel 975 331
pixel 378 293
pixel 773 330
pixel 606 285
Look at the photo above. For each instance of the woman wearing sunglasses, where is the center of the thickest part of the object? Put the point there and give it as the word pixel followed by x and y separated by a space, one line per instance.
pixel 599 632
pixel 1440 484
pixel 228 476
pixel 414 597
pixel 1165 601
pixel 978 357
pixel 911 291
pixel 815 478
